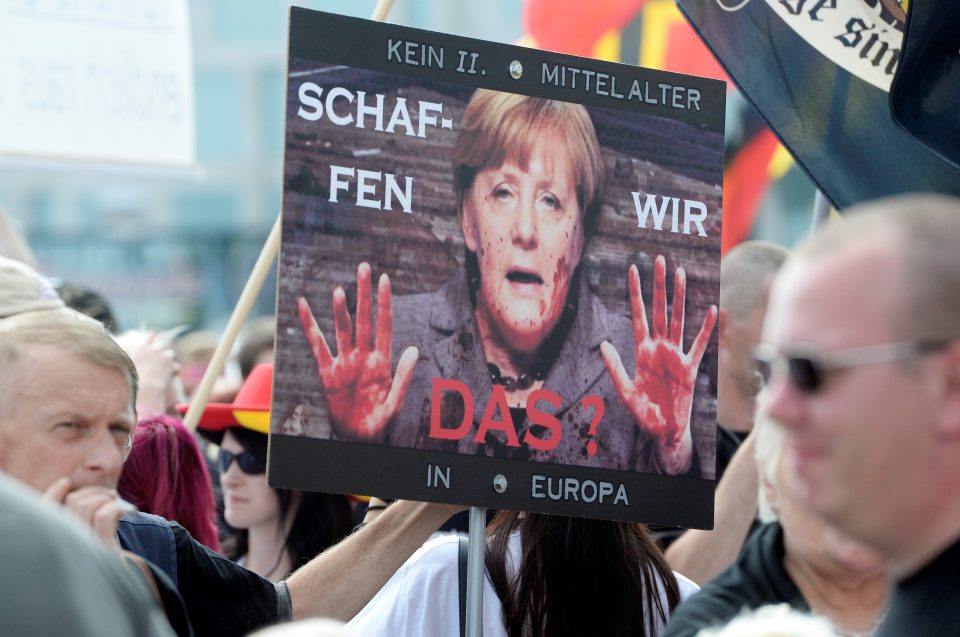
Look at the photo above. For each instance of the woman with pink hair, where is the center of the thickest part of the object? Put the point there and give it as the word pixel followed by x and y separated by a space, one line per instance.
pixel 166 475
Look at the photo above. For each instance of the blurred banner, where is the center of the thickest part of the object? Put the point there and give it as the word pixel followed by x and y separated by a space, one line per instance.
pixel 102 82
pixel 819 73
pixel 925 95
pixel 654 34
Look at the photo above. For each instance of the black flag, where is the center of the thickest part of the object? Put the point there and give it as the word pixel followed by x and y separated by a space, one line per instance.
pixel 925 95
pixel 819 73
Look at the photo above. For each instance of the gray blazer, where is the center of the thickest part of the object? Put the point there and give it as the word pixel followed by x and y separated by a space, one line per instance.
pixel 443 327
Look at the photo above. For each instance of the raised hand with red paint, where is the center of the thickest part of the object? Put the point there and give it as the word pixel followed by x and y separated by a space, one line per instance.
pixel 660 394
pixel 362 394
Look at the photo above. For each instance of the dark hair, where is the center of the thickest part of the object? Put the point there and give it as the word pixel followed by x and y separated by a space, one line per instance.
pixel 322 519
pixel 166 475
pixel 578 577
pixel 88 301
pixel 257 338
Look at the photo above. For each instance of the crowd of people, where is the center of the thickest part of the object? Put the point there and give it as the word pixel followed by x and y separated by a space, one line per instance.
pixel 838 453
pixel 851 507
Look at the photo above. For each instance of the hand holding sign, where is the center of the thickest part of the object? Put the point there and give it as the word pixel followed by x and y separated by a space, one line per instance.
pixel 660 394
pixel 361 394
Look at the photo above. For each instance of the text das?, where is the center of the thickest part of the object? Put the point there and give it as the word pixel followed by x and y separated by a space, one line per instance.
pixel 498 403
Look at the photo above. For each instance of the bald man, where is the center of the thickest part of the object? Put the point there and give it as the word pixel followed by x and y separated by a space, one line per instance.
pixel 746 273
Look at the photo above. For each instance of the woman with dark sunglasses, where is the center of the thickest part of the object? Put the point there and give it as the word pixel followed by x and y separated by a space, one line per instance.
pixel 277 530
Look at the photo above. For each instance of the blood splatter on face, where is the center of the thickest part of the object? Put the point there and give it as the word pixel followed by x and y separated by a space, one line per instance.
pixel 524 223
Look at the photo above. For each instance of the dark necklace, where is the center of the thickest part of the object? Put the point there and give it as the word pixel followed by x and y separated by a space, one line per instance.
pixel 521 382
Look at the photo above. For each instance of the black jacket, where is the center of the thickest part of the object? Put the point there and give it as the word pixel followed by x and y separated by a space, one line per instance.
pixel 757 578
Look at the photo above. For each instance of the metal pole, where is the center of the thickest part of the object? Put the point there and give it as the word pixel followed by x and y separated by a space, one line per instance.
pixel 475 572
pixel 821 211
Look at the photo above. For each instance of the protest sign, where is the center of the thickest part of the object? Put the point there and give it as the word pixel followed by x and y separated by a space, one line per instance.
pixel 499 272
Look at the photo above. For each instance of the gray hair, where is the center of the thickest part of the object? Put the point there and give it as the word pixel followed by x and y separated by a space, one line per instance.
pixel 68 331
pixel 744 274
pixel 773 620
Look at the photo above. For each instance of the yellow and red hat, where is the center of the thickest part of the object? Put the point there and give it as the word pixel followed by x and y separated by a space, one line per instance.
pixel 250 408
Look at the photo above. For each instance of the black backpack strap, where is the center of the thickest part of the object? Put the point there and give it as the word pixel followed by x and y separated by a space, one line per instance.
pixel 462 572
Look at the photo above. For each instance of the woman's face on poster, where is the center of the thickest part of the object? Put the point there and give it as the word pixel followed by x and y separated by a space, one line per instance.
pixel 525 226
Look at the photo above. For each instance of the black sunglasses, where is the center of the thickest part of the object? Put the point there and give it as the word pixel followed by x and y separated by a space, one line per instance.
pixel 806 368
pixel 248 462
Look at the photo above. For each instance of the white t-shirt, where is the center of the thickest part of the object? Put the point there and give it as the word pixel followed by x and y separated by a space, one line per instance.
pixel 422 599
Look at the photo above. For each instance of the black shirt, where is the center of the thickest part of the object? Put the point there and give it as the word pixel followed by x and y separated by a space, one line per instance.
pixel 223 598
pixel 728 441
pixel 757 578
pixel 928 602
pixel 220 596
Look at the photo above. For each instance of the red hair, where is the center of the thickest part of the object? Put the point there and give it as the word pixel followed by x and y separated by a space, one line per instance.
pixel 166 475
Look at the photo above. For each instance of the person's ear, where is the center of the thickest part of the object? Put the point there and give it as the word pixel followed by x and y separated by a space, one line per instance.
pixel 770 492
pixel 468 223
pixel 949 417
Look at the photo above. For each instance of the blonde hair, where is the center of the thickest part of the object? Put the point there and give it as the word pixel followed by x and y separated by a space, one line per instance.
pixel 500 127
pixel 768 447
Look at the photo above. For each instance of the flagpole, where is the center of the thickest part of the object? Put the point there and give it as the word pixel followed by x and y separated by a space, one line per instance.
pixel 268 256
pixel 821 211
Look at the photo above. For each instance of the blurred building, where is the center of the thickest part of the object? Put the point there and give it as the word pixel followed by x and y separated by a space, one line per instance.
pixel 169 250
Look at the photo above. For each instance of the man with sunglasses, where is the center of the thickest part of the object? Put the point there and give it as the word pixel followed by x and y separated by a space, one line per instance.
pixel 67 396
pixel 862 351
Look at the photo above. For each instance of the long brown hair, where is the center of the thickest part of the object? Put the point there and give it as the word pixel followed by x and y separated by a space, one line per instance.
pixel 578 576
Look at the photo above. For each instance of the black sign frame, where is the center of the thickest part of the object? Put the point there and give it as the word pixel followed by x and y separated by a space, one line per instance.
pixel 323 463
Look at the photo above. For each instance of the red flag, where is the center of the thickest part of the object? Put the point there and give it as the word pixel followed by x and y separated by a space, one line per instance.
pixel 574 26
pixel 654 34
pixel 744 182
pixel 669 43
